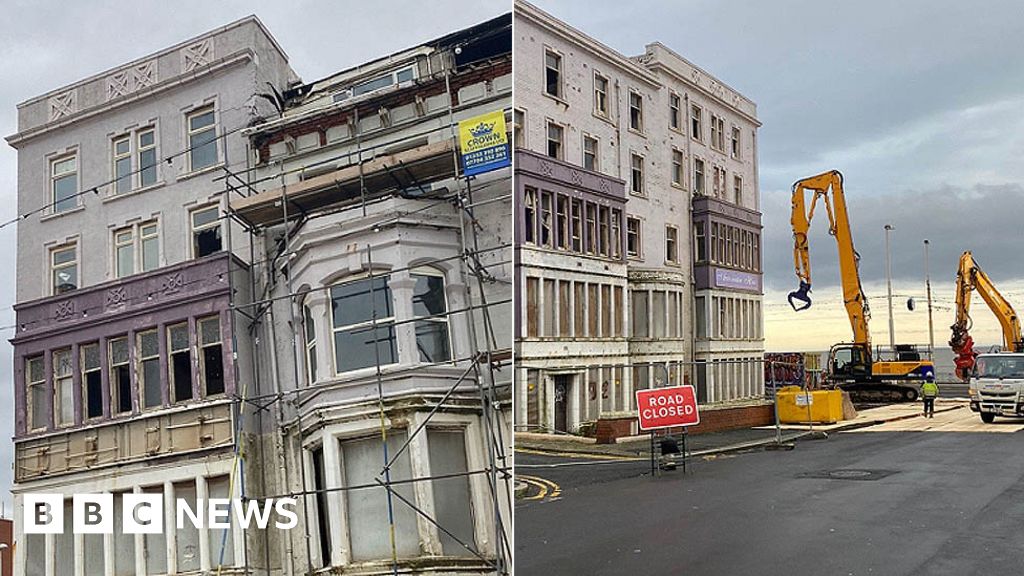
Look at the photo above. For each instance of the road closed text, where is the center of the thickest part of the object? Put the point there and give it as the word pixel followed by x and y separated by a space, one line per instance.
pixel 667 407
pixel 144 513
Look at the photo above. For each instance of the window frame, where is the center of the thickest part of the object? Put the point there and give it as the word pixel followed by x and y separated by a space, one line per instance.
pixel 639 127
pixel 116 158
pixel 560 70
pixel 202 345
pixel 57 378
pixel 171 351
pixel 85 371
pixel 30 385
pixel 601 96
pixel 386 322
pixel 427 271
pixel 141 149
pixel 594 154
pixel 696 122
pixel 137 243
pixel 678 168
pixel 55 177
pixel 736 143
pixel 675 118
pixel 112 365
pixel 191 133
pixel 637 186
pixel 672 245
pixel 54 267
pixel 193 229
pixel 560 130
pixel 140 371
pixel 637 234
pixel 699 177
pixel 309 344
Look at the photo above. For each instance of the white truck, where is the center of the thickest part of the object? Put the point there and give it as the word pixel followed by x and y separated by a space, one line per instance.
pixel 997 385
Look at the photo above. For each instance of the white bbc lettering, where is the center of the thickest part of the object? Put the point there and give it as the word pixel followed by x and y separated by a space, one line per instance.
pixel 43 513
pixel 93 513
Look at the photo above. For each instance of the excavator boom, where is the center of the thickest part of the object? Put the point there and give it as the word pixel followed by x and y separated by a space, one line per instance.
pixel 969 278
pixel 828 189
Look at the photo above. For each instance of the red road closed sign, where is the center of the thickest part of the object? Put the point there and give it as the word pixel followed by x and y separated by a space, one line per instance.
pixel 667 407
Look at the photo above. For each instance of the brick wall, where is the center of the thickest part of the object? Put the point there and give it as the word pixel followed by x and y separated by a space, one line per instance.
pixel 711 420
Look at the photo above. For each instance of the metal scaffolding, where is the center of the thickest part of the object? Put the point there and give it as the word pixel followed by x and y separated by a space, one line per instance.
pixel 369 180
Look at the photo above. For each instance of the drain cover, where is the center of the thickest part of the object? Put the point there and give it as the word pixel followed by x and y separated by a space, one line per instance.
pixel 848 474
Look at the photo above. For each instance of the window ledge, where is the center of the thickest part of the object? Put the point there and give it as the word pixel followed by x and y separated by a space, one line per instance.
pixel 677 131
pixel 639 133
pixel 55 215
pixel 558 99
pixel 678 186
pixel 135 192
pixel 602 117
pixel 199 172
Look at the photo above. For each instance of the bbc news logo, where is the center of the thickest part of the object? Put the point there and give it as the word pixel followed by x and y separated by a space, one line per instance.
pixel 144 513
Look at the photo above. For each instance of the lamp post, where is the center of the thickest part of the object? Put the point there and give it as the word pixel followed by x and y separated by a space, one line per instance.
pixel 888 281
pixel 928 290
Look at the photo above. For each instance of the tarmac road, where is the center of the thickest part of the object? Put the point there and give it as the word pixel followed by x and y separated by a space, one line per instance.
pixel 942 496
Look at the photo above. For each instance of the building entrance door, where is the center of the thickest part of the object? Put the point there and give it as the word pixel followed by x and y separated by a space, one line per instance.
pixel 563 383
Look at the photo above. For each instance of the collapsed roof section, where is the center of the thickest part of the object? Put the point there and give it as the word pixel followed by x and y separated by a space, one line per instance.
pixel 368 111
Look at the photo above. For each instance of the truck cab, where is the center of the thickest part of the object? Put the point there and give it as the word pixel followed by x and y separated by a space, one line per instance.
pixel 997 386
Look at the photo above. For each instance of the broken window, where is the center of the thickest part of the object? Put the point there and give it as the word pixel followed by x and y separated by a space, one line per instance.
pixel 368 527
pixel 211 355
pixel 576 224
pixel 671 242
pixel 545 219
pixel 92 380
pixel 63 388
pixel 363 320
pixel 120 377
pixel 530 214
pixel 636 111
pixel 429 307
pixel 35 384
pixel 310 328
pixel 553 73
pixel 632 236
pixel 206 234
pixel 322 518
pixel 149 368
pixel 561 220
pixel 600 95
pixel 452 498
pixel 180 350
pixel 616 234
pixel 637 174
pixel 695 123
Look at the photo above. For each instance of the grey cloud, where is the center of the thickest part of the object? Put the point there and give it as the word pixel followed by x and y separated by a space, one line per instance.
pixel 988 220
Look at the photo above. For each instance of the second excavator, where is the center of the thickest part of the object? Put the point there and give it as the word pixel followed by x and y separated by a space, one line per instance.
pixel 853 366
pixel 969 278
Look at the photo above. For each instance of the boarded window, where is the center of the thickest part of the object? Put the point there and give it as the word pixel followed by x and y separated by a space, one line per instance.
pixel 452 500
pixel 532 304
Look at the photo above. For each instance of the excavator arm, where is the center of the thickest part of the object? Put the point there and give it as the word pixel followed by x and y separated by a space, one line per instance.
pixel 828 188
pixel 969 278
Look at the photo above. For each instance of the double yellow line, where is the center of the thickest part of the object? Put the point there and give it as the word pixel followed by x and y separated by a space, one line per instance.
pixel 546 489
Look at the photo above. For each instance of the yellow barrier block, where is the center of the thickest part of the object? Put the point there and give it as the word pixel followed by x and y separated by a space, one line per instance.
pixel 820 406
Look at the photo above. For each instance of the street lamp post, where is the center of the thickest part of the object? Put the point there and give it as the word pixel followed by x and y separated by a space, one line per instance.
pixel 888 280
pixel 928 290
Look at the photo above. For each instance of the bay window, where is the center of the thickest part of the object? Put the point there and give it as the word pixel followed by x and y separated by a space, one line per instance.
pixel 362 323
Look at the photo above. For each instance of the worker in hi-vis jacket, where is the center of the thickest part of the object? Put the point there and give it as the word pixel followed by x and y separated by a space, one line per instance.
pixel 929 391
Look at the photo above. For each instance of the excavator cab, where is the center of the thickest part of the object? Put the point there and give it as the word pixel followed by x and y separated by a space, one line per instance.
pixel 849 362
pixel 801 294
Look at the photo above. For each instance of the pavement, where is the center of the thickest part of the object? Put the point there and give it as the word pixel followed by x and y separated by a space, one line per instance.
pixel 724 441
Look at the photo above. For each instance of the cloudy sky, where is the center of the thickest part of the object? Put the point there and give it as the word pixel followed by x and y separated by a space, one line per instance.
pixel 48 44
pixel 920 104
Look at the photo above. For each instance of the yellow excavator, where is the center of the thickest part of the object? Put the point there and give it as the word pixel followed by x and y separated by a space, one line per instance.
pixel 969 278
pixel 852 366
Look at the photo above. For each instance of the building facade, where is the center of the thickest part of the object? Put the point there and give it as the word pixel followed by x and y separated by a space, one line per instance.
pixel 125 361
pixel 637 238
pixel 388 281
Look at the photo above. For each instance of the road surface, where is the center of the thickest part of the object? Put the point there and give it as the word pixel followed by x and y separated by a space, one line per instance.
pixel 942 496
